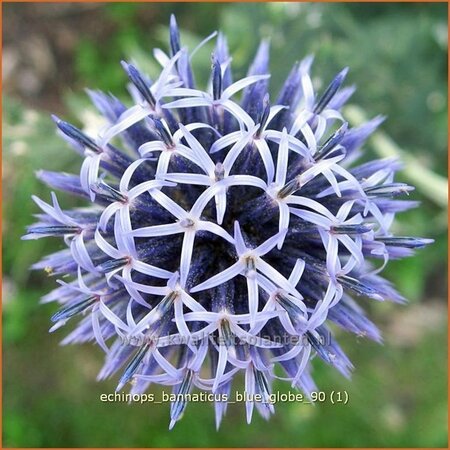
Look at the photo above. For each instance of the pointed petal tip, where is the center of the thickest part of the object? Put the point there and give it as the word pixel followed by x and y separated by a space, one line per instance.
pixel 343 73
pixel 120 386
pixel 194 289
pixel 55 327
pixel 55 118
pixel 305 64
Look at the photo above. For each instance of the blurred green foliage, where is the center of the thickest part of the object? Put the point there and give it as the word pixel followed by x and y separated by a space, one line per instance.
pixel 398 55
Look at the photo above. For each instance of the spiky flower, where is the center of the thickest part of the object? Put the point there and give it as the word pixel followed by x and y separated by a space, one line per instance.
pixel 222 235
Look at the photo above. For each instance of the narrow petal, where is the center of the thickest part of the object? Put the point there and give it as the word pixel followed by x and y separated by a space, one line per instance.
pixel 129 286
pixel 312 204
pixel 251 339
pixel 158 230
pixel 201 316
pixel 305 357
pixel 354 249
pixel 189 178
pixel 220 278
pixel 215 229
pixel 244 180
pixel 204 199
pixel 130 117
pixel 155 290
pixel 312 217
pixel 274 110
pixel 188 103
pixel 129 171
pixel 186 92
pixel 191 303
pixel 235 151
pixel 250 392
pixel 97 331
pixel 266 157
pixel 268 245
pixel 81 255
pixel 178 135
pixel 147 186
pixel 282 162
pixel 275 276
pixel 186 255
pixel 106 247
pixel 167 203
pixel 297 272
pixel 291 354
pixel 221 205
pixel 241 84
pixel 111 317
pixel 204 159
pixel 239 114
pixel 107 213
pixel 333 263
pixel 225 141
pixel 150 147
pixel 241 248
pixel 223 356
pixel 283 224
pixel 148 269
pixel 252 287
pixel 165 365
pixel 122 232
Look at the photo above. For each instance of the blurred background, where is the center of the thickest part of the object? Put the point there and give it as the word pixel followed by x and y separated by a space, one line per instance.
pixel 397 54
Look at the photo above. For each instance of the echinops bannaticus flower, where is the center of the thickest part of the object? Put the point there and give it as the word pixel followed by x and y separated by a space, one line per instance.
pixel 222 236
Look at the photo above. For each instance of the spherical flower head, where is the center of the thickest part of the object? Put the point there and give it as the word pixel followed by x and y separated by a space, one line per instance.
pixel 221 236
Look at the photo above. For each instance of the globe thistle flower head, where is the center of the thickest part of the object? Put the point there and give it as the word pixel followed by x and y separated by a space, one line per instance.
pixel 223 232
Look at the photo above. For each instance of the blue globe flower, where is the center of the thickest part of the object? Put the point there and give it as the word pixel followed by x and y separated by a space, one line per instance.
pixel 221 236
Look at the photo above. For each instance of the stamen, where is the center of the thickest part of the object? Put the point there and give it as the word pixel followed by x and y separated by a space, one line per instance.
pixel 332 142
pixel 179 405
pixel 112 264
pixel 166 303
pixel 219 171
pixel 330 91
pixel 132 366
pixel 75 134
pixel 320 348
pixel 388 190
pixel 136 78
pixel 162 131
pixel 262 386
pixel 187 223
pixel 69 311
pixel 292 309
pixel 352 229
pixel 404 241
pixel 289 188
pixel 107 192
pixel 226 335
pixel 250 263
pixel 359 287
pixel 216 78
pixel 55 230
pixel 174 36
pixel 264 115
